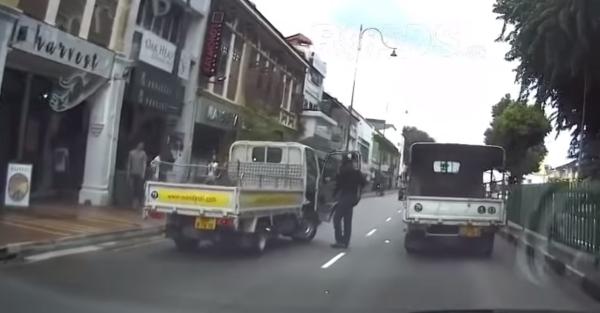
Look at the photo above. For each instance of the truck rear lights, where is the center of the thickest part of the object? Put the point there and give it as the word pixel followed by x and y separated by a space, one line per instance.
pixel 481 209
pixel 225 222
pixel 418 207
pixel 492 210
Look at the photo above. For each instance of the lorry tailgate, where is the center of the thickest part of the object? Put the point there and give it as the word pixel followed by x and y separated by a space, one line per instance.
pixel 191 199
pixel 454 210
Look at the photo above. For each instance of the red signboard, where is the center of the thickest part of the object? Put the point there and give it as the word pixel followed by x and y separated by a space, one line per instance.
pixel 212 44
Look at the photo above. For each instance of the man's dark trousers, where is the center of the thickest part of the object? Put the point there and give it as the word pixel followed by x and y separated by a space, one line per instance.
pixel 343 213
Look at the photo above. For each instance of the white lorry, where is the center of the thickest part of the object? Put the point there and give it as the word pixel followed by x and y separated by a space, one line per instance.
pixel 267 189
pixel 454 193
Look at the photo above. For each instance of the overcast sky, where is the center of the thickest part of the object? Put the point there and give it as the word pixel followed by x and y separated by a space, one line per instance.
pixel 448 73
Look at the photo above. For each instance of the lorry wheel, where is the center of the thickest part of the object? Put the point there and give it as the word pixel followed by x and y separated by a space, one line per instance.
pixel 307 230
pixel 411 241
pixel 258 243
pixel 185 244
pixel 487 245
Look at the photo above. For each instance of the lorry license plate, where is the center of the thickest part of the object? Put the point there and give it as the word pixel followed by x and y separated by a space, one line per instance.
pixel 205 223
pixel 470 231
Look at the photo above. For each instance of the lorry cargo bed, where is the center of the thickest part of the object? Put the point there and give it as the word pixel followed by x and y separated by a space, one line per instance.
pixel 218 201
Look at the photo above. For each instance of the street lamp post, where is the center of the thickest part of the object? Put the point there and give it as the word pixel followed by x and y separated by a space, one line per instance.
pixel 360 38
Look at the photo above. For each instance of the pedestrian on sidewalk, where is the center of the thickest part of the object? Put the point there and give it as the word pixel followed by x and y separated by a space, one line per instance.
pixel 348 187
pixel 212 171
pixel 136 173
pixel 155 167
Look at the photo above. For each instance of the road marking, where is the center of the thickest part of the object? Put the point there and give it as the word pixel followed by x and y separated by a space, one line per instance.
pixel 388 219
pixel 371 232
pixel 108 244
pixel 59 253
pixel 139 244
pixel 333 260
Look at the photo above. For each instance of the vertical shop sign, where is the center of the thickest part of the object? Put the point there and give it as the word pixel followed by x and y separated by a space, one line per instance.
pixel 18 185
pixel 212 44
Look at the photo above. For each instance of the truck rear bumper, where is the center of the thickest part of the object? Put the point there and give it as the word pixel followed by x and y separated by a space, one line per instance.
pixel 445 230
pixel 461 222
pixel 184 226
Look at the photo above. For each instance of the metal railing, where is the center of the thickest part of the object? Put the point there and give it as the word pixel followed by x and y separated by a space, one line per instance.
pixel 568 213
pixel 241 174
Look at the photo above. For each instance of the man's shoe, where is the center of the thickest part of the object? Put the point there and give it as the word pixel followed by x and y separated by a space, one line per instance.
pixel 338 245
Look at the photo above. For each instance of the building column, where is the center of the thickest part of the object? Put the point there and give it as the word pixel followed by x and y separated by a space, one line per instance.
pixel 7 21
pixel 103 135
pixel 194 39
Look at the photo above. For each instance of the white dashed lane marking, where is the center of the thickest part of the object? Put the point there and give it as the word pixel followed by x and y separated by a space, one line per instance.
pixel 60 253
pixel 371 232
pixel 333 260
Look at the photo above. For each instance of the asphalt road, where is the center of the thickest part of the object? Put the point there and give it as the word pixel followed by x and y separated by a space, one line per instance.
pixel 375 275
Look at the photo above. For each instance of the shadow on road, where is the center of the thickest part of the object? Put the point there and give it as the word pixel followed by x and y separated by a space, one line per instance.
pixel 448 252
pixel 224 252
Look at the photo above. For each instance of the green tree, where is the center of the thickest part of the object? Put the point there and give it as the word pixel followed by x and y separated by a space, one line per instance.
pixel 555 43
pixel 520 129
pixel 413 135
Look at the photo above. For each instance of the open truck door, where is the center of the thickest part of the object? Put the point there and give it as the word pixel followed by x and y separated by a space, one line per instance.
pixel 330 166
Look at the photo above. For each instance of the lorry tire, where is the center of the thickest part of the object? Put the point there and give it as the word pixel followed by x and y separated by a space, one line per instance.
pixel 185 244
pixel 307 230
pixel 256 243
pixel 487 245
pixel 411 241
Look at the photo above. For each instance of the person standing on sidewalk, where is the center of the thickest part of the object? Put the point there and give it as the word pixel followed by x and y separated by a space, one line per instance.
pixel 136 173
pixel 349 185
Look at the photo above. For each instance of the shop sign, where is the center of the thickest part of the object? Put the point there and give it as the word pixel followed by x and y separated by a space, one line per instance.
pixel 157 52
pixel 212 44
pixel 153 88
pixel 55 45
pixel 217 115
pixel 18 185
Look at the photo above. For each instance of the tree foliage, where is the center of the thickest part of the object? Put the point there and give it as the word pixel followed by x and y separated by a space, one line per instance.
pixel 555 43
pixel 520 129
pixel 411 136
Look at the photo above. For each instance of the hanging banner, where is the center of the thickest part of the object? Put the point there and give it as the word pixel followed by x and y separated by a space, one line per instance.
pixel 71 90
pixel 18 185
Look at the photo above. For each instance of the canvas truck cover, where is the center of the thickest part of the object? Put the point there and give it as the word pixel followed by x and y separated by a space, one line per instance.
pixel 451 170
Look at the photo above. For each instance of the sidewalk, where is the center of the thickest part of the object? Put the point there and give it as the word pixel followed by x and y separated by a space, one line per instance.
pixel 42 228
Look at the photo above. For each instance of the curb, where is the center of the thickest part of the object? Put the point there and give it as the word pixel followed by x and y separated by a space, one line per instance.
pixel 590 286
pixel 18 251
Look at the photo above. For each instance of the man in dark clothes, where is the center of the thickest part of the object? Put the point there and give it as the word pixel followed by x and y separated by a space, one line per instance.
pixel 349 184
